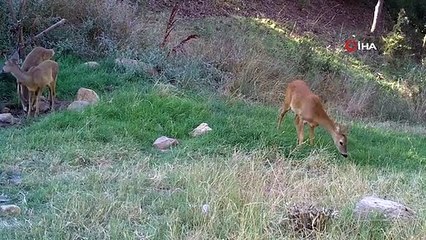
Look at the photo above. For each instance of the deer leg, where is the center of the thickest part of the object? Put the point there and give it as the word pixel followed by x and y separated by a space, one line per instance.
pixel 284 110
pixel 24 92
pixel 54 91
pixel 24 95
pixel 311 134
pixel 299 127
pixel 29 103
pixel 38 93
pixel 19 89
pixel 33 100
pixel 51 92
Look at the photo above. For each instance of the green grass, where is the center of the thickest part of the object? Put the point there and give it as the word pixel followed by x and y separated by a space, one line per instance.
pixel 95 174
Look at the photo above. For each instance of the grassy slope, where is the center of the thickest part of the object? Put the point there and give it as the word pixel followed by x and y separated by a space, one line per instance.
pixel 95 174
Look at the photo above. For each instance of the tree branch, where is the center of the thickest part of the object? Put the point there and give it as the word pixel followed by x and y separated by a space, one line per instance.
pixel 15 54
pixel 170 24
pixel 45 31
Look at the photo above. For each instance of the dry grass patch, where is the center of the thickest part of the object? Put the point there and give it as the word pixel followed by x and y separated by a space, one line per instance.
pixel 249 196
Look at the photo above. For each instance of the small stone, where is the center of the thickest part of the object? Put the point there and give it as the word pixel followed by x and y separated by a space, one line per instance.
pixel 78 106
pixel 88 95
pixel 92 64
pixel 202 129
pixel 6 118
pixel 9 210
pixel 205 208
pixel 163 143
pixel 390 209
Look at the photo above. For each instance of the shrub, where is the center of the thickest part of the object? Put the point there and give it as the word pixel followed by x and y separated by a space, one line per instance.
pixel 395 43
pixel 94 28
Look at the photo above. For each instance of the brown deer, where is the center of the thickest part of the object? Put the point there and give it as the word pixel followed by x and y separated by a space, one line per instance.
pixel 35 79
pixel 34 58
pixel 308 109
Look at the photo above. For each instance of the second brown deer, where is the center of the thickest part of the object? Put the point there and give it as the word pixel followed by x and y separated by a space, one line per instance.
pixel 35 79
pixel 308 109
pixel 34 58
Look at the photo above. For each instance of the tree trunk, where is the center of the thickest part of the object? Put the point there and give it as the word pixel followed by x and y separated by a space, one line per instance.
pixel 377 12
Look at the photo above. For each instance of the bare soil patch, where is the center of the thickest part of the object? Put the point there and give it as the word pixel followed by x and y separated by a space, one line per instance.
pixel 17 111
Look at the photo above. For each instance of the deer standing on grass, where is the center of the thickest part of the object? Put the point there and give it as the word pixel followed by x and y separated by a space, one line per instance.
pixel 35 79
pixel 34 58
pixel 308 109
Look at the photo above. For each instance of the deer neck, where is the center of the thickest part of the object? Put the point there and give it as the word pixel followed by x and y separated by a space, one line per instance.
pixel 328 124
pixel 21 76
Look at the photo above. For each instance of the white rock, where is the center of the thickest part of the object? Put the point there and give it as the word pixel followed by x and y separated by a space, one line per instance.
pixel 9 210
pixel 6 118
pixel 88 95
pixel 91 64
pixel 389 209
pixel 203 128
pixel 164 143
pixel 205 208
pixel 78 105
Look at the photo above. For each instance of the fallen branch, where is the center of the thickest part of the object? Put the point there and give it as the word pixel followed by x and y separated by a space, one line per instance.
pixel 170 25
pixel 180 45
pixel 32 39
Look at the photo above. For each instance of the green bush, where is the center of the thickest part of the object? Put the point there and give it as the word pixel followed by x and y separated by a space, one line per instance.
pixel 395 42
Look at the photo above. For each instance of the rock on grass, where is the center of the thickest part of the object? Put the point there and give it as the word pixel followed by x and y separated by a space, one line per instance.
pixel 164 143
pixel 390 209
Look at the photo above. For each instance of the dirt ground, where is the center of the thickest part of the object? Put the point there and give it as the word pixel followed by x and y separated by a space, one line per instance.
pixel 21 116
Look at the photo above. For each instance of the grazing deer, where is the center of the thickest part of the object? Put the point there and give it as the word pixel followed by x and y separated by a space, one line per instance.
pixel 34 58
pixel 308 109
pixel 35 79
